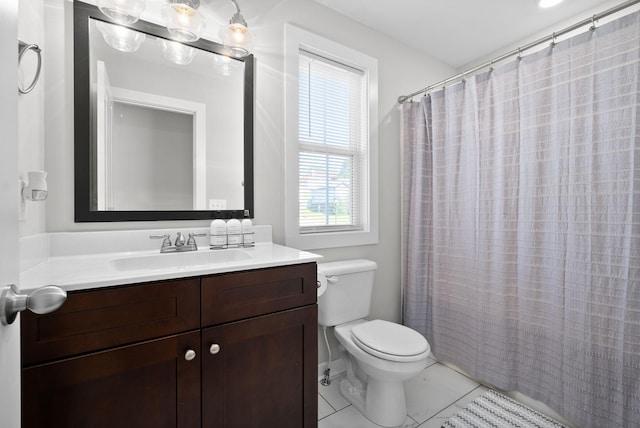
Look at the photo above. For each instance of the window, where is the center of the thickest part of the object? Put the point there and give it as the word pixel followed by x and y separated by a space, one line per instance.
pixel 331 147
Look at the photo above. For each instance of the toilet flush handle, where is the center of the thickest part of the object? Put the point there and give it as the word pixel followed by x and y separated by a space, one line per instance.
pixel 332 279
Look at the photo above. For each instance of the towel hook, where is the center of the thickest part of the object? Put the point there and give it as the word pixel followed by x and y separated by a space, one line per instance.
pixel 23 48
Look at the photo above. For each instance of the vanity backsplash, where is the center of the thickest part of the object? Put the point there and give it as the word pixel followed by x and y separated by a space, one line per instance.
pixel 35 249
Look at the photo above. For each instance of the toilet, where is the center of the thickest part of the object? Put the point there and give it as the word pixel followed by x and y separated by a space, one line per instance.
pixel 380 355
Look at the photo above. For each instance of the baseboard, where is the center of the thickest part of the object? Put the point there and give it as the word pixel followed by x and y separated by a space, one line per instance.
pixel 338 368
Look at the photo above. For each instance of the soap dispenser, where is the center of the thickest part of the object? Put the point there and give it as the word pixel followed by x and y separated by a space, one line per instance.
pixel 234 232
pixel 218 232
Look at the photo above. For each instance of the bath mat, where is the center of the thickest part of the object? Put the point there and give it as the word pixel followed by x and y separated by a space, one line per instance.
pixel 494 410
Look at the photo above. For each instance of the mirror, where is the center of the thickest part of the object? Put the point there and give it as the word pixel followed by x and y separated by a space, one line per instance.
pixel 163 130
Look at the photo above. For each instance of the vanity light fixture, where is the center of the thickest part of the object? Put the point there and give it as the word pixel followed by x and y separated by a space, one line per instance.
pixel 548 3
pixel 236 37
pixel 183 21
pixel 122 11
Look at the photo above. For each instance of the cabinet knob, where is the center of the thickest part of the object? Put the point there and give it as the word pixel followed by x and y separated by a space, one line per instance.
pixel 190 355
pixel 214 349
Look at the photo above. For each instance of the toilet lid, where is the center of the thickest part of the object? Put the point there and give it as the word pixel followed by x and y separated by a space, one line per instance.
pixel 387 339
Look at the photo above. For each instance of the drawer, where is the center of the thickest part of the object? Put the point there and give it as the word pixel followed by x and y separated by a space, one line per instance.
pixel 240 295
pixel 100 319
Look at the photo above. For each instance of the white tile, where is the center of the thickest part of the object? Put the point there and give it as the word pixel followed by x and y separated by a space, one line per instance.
pixel 448 411
pixel 431 361
pixel 434 389
pixel 324 408
pixel 440 418
pixel 433 423
pixel 350 417
pixel 472 396
pixel 332 394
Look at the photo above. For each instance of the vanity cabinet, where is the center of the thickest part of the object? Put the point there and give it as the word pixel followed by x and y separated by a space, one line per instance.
pixel 227 350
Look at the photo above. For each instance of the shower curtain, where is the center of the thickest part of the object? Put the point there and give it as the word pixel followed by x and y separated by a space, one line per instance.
pixel 521 225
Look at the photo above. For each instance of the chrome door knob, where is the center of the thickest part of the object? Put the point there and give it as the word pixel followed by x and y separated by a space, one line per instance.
pixel 214 349
pixel 190 355
pixel 41 301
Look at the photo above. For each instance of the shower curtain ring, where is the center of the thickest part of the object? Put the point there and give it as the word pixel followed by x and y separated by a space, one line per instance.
pixel 553 39
pixel 593 23
pixel 519 57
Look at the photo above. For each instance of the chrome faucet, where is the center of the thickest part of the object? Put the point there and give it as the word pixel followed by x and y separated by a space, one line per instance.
pixel 180 245
pixel 180 241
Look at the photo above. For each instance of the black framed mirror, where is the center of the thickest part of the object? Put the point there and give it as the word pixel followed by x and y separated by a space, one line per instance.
pixel 163 130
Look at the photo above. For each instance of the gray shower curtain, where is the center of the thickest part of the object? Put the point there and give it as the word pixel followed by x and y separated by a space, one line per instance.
pixel 521 225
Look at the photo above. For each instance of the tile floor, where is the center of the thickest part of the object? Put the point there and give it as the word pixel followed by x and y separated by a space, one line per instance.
pixel 432 397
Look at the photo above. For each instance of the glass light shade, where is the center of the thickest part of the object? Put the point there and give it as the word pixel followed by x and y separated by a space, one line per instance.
pixel 122 11
pixel 177 52
pixel 120 38
pixel 184 23
pixel 237 39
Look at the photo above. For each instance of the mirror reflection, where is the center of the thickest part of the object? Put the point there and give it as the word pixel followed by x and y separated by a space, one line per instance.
pixel 163 130
pixel 168 124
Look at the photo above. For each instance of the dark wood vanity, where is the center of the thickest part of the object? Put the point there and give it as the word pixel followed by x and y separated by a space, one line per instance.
pixel 228 350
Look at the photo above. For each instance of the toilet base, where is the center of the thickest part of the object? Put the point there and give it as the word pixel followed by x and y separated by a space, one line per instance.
pixel 383 403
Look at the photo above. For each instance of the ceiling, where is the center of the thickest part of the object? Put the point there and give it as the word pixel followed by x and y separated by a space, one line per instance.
pixel 459 32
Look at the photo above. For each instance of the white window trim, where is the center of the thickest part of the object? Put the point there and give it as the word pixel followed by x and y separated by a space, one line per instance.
pixel 296 39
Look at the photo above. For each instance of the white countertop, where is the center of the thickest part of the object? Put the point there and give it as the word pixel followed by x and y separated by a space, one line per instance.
pixel 82 272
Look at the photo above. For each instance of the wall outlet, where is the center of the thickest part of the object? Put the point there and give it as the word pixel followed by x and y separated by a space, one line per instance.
pixel 217 204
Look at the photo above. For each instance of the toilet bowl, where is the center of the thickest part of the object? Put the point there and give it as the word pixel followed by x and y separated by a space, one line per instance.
pixel 379 355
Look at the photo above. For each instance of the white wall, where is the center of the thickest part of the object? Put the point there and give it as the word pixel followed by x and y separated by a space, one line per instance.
pixel 31 115
pixel 588 14
pixel 401 71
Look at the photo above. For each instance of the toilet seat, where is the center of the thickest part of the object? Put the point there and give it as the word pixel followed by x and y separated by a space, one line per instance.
pixel 390 341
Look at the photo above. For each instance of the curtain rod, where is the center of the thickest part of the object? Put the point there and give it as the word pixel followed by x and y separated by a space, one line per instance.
pixel 552 37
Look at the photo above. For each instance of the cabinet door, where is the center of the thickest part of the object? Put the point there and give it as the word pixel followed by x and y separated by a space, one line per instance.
pixel 150 384
pixel 264 373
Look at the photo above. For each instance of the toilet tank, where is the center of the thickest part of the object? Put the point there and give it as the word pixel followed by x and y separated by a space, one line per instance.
pixel 348 294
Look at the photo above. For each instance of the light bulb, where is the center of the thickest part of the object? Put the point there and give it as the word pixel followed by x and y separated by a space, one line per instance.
pixel 238 32
pixel 184 23
pixel 237 39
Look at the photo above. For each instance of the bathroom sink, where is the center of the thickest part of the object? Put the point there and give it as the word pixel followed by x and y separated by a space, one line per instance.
pixel 179 260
